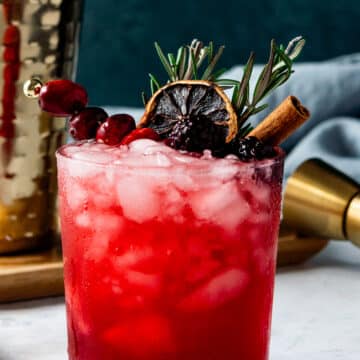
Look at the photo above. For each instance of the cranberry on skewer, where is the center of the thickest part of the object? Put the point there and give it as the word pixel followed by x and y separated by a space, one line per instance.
pixel 85 124
pixel 113 130
pixel 58 97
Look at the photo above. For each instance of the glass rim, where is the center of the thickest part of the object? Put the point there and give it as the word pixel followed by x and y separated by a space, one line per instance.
pixel 243 165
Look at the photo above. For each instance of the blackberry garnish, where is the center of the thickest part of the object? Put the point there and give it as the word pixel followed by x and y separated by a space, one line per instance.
pixel 197 134
pixel 250 148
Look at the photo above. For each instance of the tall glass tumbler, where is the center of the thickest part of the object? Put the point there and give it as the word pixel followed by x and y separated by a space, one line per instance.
pixel 40 40
pixel 167 256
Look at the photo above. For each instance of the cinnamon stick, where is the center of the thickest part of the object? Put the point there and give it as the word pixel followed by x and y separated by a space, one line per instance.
pixel 282 122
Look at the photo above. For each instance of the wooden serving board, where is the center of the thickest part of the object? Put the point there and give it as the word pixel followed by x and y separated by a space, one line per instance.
pixel 31 276
pixel 40 274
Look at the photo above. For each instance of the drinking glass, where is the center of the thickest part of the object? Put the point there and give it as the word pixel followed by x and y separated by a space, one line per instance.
pixel 168 261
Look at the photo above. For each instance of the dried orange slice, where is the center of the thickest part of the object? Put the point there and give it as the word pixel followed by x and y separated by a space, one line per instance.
pixel 198 102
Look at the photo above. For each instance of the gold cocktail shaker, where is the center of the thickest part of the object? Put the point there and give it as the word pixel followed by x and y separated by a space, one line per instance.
pixel 40 40
pixel 322 203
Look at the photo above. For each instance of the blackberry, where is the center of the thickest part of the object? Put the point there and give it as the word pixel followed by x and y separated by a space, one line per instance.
pixel 196 134
pixel 250 148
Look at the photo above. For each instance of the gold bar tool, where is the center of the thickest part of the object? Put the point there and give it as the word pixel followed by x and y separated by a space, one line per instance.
pixel 322 202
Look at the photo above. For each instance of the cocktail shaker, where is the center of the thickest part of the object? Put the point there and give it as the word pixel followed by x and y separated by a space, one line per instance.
pixel 40 39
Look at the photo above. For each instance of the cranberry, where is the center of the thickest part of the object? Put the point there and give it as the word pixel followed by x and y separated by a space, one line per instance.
pixel 85 124
pixel 115 127
pixel 144 133
pixel 62 97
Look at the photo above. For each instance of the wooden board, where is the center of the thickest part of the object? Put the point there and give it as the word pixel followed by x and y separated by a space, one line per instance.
pixel 40 274
pixel 31 276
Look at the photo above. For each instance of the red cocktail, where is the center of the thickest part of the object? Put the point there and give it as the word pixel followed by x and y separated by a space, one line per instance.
pixel 167 255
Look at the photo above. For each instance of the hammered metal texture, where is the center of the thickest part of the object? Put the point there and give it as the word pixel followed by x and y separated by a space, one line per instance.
pixel 39 38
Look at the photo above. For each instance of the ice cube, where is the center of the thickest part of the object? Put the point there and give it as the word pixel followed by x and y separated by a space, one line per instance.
pixel 77 195
pixel 97 249
pixel 83 220
pixel 218 291
pixel 157 159
pixel 223 205
pixel 231 157
pixel 184 182
pixel 261 194
pixel 133 257
pixel 145 337
pixel 224 170
pixel 172 204
pixel 100 197
pixel 139 201
pixel 107 222
pixel 77 169
pixel 159 148
pixel 140 146
pixel 180 158
pixel 150 283
pixel 207 155
pixel 117 150
pixel 95 157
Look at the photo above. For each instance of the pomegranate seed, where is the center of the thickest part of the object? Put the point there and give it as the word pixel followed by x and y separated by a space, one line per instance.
pixel 62 97
pixel 144 133
pixel 115 127
pixel 85 124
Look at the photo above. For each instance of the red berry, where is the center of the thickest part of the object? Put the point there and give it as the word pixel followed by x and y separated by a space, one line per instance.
pixel 62 97
pixel 144 133
pixel 113 130
pixel 85 124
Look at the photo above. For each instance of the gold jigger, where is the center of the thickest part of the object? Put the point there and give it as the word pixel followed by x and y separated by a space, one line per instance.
pixel 320 201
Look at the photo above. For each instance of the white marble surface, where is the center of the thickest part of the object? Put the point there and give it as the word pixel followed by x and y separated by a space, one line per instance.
pixel 316 314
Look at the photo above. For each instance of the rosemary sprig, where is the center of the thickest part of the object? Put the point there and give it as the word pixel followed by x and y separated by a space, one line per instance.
pixel 165 62
pixel 189 63
pixel 210 69
pixel 274 73
pixel 154 84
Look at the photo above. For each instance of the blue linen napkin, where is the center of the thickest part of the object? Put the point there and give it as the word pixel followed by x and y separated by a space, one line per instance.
pixel 331 90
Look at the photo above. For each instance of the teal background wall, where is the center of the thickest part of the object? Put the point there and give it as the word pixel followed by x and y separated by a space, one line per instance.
pixel 116 51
